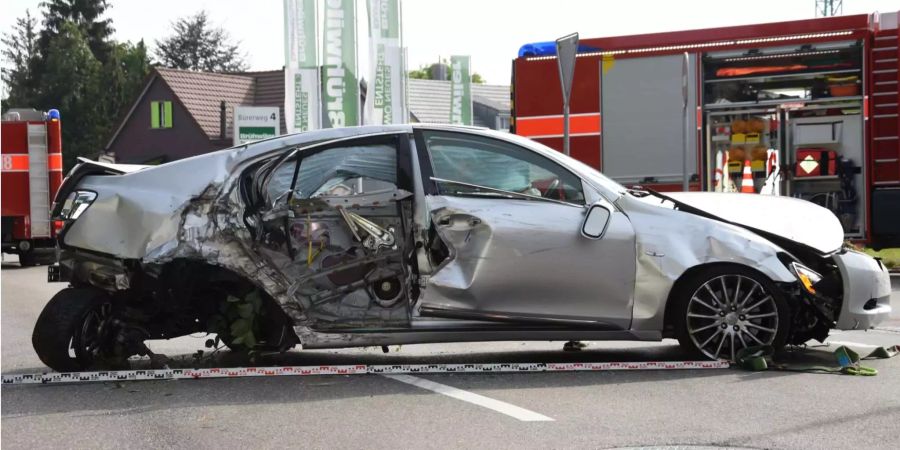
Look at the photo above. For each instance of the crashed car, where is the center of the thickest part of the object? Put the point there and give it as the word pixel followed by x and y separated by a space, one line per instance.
pixel 373 236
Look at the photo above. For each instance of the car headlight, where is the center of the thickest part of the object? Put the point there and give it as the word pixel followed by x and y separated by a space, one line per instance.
pixel 808 277
pixel 76 203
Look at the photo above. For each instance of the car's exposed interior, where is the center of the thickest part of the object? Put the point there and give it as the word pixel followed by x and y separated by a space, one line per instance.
pixel 334 221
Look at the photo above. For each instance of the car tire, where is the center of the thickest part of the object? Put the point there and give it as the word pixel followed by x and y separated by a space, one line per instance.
pixel 61 326
pixel 723 309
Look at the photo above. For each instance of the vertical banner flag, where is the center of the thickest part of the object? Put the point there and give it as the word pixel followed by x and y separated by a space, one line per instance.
pixel 460 90
pixel 386 94
pixel 301 76
pixel 340 87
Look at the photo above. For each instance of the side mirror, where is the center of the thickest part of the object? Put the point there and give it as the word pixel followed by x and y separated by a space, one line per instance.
pixel 595 222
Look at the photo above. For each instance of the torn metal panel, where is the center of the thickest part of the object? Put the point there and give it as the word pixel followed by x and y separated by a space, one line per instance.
pixel 162 214
pixel 139 211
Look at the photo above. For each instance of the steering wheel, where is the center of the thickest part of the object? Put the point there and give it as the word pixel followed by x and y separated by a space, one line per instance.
pixel 550 188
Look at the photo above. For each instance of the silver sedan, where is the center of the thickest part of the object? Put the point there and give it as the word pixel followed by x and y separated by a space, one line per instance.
pixel 414 234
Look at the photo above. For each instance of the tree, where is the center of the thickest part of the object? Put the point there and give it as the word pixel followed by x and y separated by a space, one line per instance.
pixel 86 15
pixel 72 84
pixel 19 53
pixel 422 73
pixel 439 71
pixel 123 76
pixel 72 65
pixel 197 45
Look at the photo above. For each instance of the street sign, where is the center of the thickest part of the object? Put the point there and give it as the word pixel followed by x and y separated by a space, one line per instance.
pixel 566 49
pixel 252 123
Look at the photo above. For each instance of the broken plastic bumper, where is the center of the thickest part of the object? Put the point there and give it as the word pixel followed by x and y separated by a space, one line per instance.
pixel 867 291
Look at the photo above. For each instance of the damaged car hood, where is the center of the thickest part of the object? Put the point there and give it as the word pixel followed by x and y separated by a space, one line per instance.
pixel 794 219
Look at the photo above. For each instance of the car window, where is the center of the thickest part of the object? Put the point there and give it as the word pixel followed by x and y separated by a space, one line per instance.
pixel 337 171
pixel 499 165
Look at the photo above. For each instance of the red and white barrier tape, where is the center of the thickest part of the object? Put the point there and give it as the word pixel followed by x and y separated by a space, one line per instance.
pixel 358 369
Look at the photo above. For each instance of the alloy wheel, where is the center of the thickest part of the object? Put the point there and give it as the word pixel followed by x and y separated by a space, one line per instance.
pixel 730 312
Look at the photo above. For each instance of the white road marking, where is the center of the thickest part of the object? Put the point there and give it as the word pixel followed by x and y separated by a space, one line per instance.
pixel 471 397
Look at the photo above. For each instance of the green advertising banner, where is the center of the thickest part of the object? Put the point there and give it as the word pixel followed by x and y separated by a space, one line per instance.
pixel 460 90
pixel 300 33
pixel 340 86
pixel 301 76
pixel 386 97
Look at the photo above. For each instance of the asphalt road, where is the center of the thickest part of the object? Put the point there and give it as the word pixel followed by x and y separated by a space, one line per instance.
pixel 602 409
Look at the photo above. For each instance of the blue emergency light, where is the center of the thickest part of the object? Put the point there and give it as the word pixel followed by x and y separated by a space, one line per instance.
pixel 53 115
pixel 549 49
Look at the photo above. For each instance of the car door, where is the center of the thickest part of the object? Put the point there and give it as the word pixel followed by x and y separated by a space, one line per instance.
pixel 505 240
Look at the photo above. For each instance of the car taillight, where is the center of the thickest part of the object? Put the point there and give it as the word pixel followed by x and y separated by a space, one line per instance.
pixel 77 203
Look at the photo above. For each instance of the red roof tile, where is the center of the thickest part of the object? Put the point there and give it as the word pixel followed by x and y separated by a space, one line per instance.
pixel 202 93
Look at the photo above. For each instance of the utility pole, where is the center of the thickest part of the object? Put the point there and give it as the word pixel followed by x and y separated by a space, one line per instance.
pixel 829 8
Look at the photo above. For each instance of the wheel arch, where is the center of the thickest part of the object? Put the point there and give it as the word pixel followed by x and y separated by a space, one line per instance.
pixel 203 287
pixel 689 275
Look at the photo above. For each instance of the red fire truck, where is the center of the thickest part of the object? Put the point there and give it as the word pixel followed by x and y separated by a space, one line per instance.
pixel 822 94
pixel 32 173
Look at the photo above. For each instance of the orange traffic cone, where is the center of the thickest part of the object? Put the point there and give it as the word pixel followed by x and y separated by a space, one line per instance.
pixel 747 180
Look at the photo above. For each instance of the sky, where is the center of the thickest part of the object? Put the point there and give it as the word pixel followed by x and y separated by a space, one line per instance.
pixel 491 31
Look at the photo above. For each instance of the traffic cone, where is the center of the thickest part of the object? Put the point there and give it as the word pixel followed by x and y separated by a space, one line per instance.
pixel 747 180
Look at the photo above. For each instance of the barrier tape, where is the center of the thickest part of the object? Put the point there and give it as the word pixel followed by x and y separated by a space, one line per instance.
pixel 358 369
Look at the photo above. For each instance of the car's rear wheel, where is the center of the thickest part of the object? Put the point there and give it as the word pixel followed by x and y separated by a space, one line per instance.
pixel 73 329
pixel 724 309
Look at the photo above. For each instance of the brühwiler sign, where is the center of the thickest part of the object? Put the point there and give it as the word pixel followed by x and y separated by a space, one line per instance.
pixel 301 73
pixel 339 83
pixel 252 123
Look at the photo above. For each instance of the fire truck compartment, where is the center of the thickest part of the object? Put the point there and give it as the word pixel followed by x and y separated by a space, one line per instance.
pixel 810 105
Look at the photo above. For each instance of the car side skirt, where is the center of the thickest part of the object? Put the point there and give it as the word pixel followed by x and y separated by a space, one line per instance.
pixel 312 340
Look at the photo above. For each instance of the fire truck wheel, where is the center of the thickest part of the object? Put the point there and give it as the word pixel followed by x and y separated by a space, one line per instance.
pixel 71 330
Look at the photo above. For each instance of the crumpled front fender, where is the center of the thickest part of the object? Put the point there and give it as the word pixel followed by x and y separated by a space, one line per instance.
pixel 670 242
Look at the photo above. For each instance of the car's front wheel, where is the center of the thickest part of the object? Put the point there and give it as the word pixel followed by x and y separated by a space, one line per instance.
pixel 724 309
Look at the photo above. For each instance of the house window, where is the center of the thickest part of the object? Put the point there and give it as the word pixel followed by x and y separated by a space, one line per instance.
pixel 161 114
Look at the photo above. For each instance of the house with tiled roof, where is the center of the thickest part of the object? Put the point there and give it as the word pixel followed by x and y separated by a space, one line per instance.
pixel 183 113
